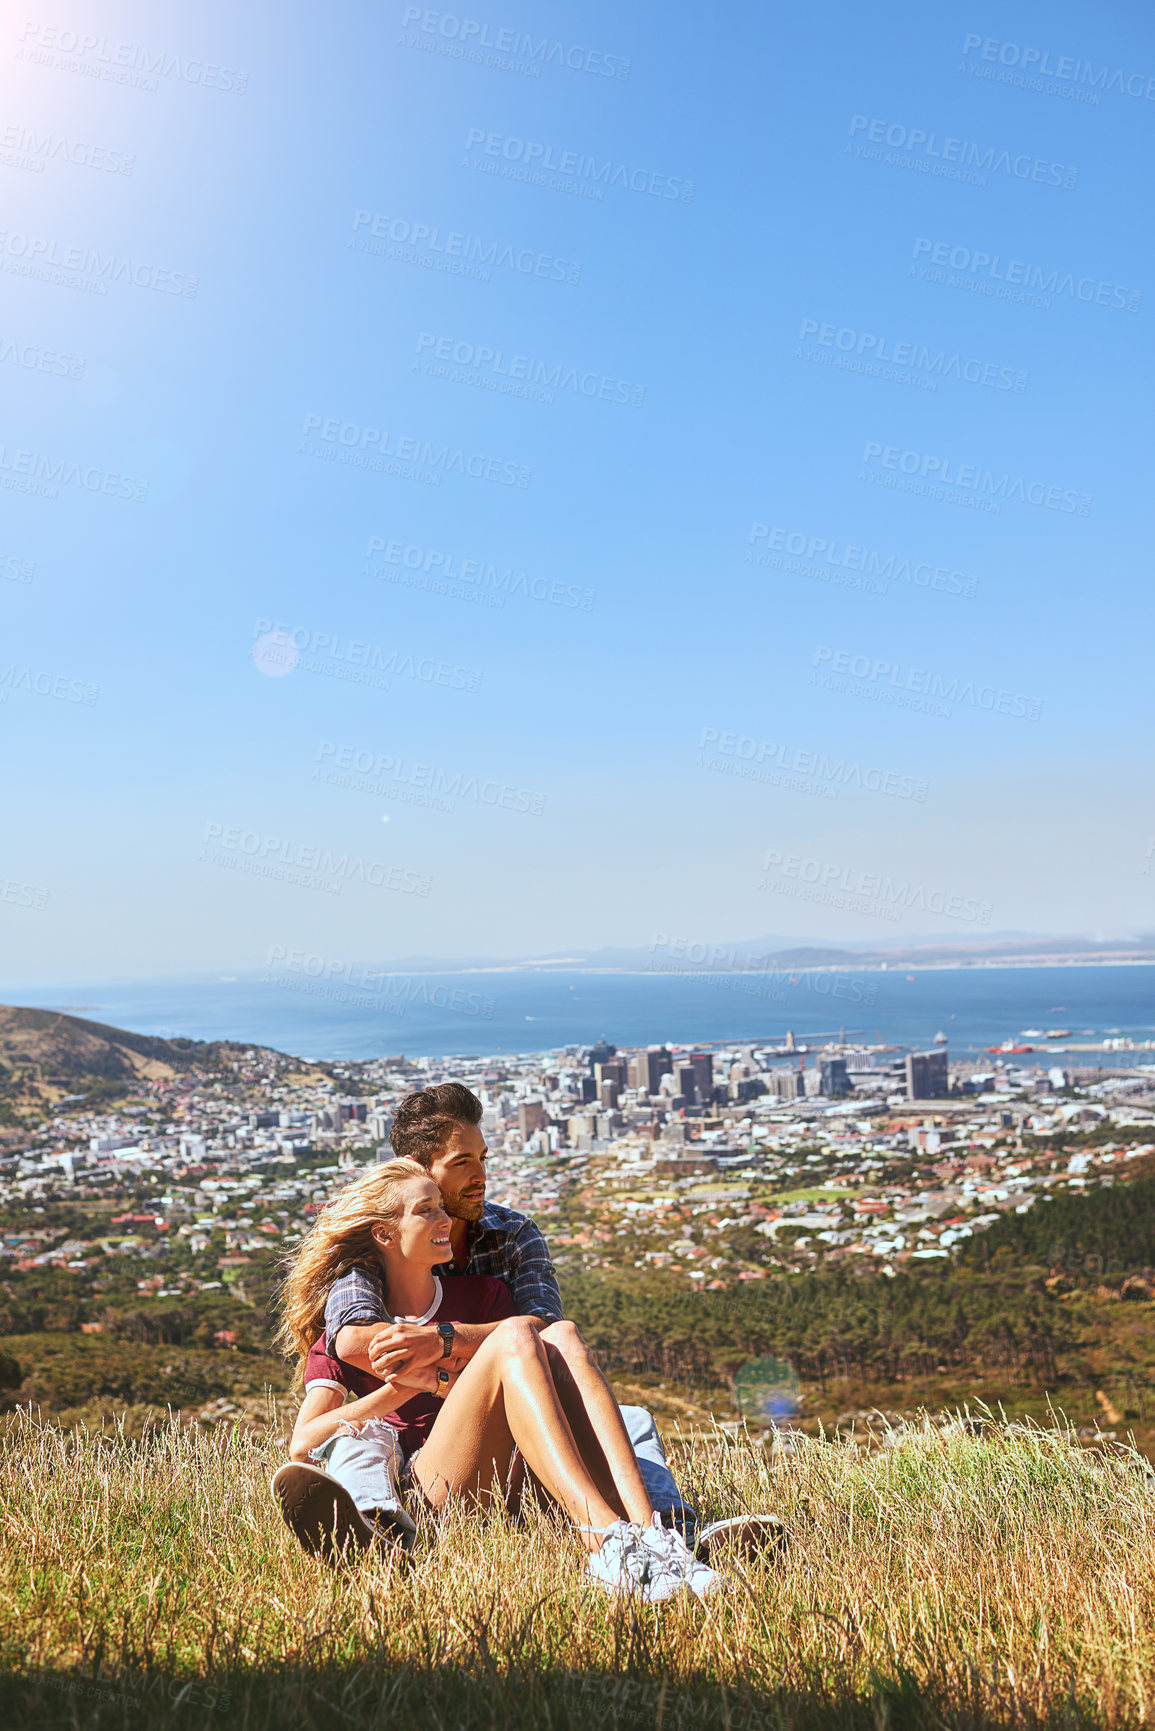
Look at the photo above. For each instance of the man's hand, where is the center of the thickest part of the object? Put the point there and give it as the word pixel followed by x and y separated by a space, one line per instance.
pixel 405 1348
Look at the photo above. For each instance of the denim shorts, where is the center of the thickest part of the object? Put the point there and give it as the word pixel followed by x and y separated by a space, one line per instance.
pixel 411 1486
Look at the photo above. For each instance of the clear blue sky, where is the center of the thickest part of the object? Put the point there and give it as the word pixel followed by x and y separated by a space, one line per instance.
pixel 781 186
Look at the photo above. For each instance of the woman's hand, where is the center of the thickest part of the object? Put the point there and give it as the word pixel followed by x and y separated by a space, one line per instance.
pixel 420 1382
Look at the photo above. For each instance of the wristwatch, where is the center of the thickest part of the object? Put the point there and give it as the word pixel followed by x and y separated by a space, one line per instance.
pixel 447 1332
pixel 442 1384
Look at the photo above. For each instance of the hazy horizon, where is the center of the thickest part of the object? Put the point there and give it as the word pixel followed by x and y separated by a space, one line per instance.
pixel 670 956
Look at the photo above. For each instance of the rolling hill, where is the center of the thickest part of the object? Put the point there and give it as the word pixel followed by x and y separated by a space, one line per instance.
pixel 49 1048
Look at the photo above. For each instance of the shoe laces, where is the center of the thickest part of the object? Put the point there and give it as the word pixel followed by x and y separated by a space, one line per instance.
pixel 667 1550
pixel 666 1542
pixel 629 1541
pixel 673 1556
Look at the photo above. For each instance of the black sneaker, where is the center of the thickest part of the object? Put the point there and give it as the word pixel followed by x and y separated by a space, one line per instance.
pixel 744 1538
pixel 392 1526
pixel 321 1512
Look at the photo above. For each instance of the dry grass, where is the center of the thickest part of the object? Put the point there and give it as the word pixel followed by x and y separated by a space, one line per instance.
pixel 998 1579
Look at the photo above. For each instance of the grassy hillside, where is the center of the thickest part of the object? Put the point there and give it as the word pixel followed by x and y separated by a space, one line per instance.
pixel 53 1047
pixel 101 1382
pixel 956 1580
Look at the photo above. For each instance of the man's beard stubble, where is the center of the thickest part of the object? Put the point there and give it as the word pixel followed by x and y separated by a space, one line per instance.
pixel 461 1207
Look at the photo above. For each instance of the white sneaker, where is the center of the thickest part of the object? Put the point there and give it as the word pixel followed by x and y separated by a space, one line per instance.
pixel 674 1561
pixel 627 1563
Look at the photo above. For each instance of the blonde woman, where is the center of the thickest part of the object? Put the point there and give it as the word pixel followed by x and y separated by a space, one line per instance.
pixel 461 1432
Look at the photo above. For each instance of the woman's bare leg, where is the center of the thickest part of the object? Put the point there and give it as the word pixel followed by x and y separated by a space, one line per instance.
pixel 595 1421
pixel 506 1396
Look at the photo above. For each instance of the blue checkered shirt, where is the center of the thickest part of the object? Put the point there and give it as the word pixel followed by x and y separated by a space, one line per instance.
pixel 502 1243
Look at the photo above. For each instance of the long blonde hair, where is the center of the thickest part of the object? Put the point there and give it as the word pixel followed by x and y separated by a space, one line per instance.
pixel 340 1238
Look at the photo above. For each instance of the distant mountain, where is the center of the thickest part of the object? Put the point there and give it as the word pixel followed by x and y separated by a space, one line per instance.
pixel 47 1046
pixel 669 954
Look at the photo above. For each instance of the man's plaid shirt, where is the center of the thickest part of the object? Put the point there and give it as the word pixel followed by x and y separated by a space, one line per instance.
pixel 502 1243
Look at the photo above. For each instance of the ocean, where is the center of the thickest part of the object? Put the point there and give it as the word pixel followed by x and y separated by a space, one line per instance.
pixel 437 1015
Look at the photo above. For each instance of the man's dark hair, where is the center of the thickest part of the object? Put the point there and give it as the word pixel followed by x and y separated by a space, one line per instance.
pixel 425 1121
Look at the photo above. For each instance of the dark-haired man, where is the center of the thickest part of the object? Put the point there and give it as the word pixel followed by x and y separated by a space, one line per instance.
pixel 441 1128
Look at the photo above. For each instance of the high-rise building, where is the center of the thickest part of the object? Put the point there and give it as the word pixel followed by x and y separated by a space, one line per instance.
pixel 648 1068
pixel 703 1066
pixel 580 1130
pixel 531 1116
pixel 926 1075
pixel 785 1084
pixel 601 1053
pixel 609 1093
pixel 834 1081
pixel 613 1070
pixel 747 1088
pixel 686 1082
